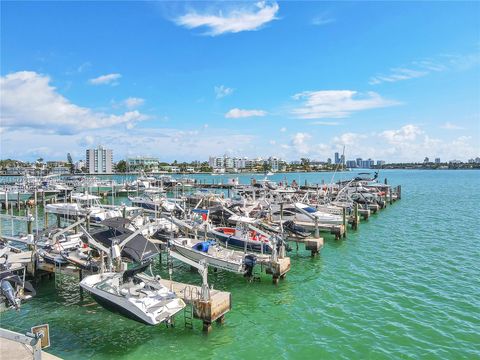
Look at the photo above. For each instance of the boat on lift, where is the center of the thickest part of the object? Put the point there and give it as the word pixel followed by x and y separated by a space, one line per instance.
pixel 137 296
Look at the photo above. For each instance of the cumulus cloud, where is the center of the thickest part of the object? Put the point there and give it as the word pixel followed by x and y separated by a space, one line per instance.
pixel 237 113
pixel 402 135
pixel 408 143
pixel 109 79
pixel 336 103
pixel 246 17
pixel 222 91
pixel 299 142
pixel 29 101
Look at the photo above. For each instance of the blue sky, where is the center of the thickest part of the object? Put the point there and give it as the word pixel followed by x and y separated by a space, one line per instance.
pixel 389 80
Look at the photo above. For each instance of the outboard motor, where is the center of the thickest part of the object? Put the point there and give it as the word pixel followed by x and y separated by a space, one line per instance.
pixel 249 262
pixel 9 293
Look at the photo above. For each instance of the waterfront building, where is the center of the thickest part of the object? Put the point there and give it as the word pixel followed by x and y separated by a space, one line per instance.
pixel 437 160
pixel 380 162
pixel 142 163
pixel 367 164
pixel 351 164
pixel 359 162
pixel 426 160
pixel 99 160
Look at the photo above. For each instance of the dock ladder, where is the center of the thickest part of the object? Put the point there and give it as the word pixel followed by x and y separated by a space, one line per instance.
pixel 191 294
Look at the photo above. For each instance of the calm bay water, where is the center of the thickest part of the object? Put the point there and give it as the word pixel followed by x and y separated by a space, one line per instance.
pixel 405 285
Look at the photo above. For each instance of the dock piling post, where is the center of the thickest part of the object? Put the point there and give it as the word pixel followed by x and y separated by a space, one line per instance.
pixel 355 214
pixel 344 221
pixel 80 278
pixel 390 195
pixel 207 326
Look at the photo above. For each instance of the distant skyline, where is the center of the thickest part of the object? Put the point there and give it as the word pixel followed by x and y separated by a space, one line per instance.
pixel 393 81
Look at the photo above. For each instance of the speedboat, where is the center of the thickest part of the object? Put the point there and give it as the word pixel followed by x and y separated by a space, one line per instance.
pixel 210 252
pixel 137 296
pixel 243 239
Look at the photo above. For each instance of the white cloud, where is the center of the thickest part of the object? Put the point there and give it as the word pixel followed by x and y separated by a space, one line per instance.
pixel 109 79
pixel 222 91
pixel 133 102
pixel 167 143
pixel 400 136
pixel 322 19
pixel 405 144
pixel 325 123
pixel 248 17
pixel 29 101
pixel 398 74
pixel 336 103
pixel 424 67
pixel 450 126
pixel 237 113
pixel 299 142
pixel 347 139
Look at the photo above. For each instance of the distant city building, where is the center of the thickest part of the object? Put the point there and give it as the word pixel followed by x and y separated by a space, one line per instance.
pixel 367 164
pixel 477 160
pixel 437 160
pixel 380 162
pixel 426 160
pixel 142 163
pixel 241 163
pixel 351 164
pixel 339 159
pixel 359 162
pixel 99 161
pixel 56 163
pixel 59 170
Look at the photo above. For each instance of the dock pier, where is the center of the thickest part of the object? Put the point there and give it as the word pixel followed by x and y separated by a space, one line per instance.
pixel 209 311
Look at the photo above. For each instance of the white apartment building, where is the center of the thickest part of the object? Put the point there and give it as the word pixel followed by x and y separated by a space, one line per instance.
pixel 99 161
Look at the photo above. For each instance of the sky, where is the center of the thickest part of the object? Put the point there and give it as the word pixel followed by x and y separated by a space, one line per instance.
pixel 396 81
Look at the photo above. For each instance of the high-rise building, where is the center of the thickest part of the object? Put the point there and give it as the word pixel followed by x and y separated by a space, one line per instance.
pixel 99 161
pixel 359 162
pixel 380 162
pixel 351 164
pixel 437 160
pixel 337 158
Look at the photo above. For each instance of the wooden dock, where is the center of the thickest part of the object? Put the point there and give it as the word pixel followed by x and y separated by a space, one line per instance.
pixel 20 348
pixel 214 309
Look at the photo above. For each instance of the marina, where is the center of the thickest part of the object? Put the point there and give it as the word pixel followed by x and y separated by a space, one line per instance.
pixel 239 180
pixel 249 231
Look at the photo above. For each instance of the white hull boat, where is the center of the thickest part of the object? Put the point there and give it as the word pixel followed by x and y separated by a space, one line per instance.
pixel 139 297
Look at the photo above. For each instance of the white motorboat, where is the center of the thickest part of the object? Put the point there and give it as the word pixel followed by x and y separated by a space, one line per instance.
pixel 84 204
pixel 213 254
pixel 137 296
pixel 298 213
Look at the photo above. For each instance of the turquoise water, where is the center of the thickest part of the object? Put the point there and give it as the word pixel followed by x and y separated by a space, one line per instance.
pixel 405 285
